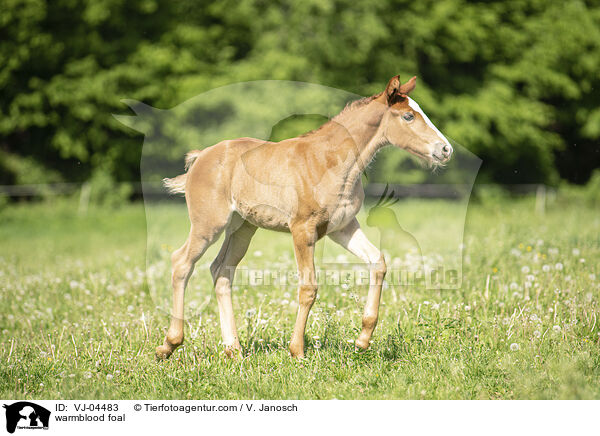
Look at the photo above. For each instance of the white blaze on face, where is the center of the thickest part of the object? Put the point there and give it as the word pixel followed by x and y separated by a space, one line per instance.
pixel 414 106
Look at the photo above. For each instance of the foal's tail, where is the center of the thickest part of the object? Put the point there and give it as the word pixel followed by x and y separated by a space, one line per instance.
pixel 176 185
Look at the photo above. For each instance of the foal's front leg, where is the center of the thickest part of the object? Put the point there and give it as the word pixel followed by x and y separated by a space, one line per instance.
pixel 304 248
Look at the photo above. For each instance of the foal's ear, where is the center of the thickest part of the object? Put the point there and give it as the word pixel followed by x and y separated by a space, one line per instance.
pixel 392 89
pixel 409 86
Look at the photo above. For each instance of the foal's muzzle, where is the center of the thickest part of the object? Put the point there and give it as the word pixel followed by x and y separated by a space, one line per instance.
pixel 442 152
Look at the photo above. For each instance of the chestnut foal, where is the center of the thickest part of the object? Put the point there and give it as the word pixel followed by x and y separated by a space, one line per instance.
pixel 309 186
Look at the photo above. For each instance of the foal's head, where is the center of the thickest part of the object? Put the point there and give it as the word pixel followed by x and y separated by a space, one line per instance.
pixel 406 125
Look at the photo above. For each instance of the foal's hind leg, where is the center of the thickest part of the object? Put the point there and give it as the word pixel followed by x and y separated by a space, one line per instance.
pixel 202 235
pixel 222 269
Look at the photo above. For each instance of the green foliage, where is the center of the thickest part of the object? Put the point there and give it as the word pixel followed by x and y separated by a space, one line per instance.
pixel 512 81
pixel 19 170
pixel 105 192
pixel 588 194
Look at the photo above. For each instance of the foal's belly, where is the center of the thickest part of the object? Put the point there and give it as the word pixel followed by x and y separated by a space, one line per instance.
pixel 265 216
pixel 278 217
pixel 269 217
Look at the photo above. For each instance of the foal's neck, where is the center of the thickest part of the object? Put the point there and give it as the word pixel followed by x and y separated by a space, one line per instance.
pixel 363 125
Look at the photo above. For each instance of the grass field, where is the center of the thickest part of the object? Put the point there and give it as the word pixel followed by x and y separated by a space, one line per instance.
pixel 81 315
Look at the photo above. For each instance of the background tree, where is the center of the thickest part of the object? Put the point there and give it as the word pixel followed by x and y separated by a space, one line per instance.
pixel 516 82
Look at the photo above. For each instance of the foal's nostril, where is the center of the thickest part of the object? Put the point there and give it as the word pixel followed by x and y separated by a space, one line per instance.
pixel 443 151
pixel 447 150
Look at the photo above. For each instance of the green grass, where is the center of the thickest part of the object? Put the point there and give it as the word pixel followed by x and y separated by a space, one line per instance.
pixel 80 315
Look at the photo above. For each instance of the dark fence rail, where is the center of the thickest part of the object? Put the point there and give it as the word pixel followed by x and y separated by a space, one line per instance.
pixel 154 191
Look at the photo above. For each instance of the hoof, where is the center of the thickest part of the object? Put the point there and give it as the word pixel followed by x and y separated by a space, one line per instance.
pixel 361 344
pixel 233 352
pixel 297 352
pixel 163 352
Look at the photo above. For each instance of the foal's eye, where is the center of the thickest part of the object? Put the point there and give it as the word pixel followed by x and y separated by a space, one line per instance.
pixel 408 116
